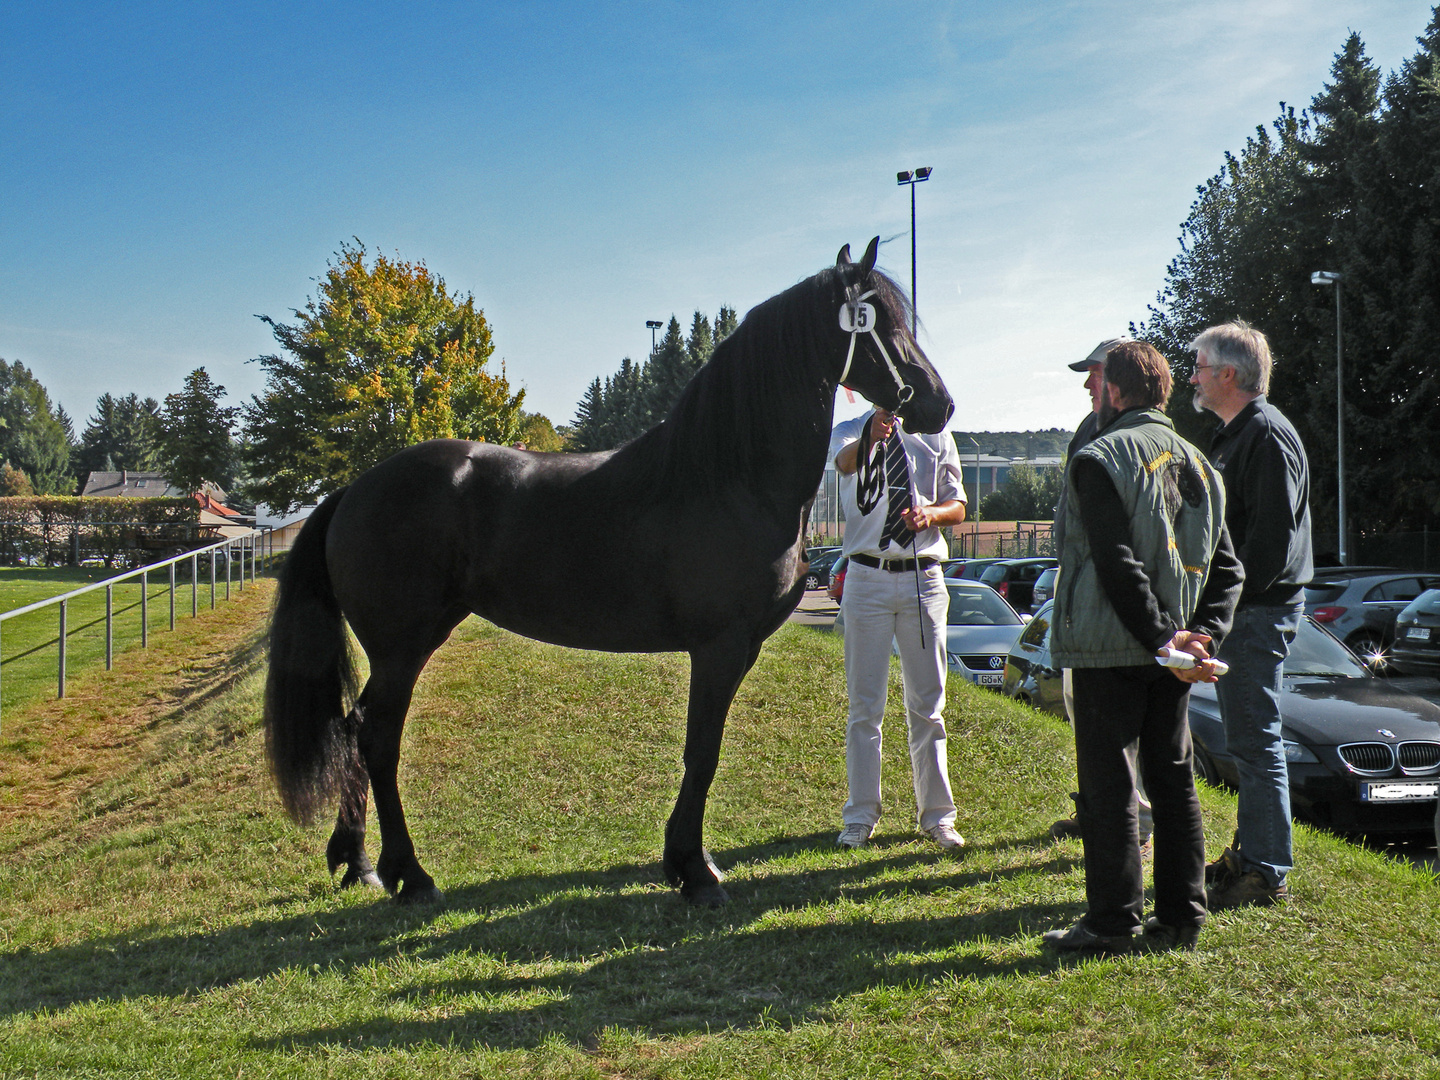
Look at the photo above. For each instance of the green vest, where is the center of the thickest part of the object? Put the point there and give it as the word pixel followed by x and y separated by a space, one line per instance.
pixel 1175 528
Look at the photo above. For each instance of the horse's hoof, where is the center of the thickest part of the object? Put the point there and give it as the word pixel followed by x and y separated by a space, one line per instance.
pixel 361 876
pixel 672 873
pixel 419 894
pixel 709 895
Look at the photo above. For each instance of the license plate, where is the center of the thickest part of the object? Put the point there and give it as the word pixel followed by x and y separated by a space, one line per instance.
pixel 1417 633
pixel 1395 791
pixel 990 678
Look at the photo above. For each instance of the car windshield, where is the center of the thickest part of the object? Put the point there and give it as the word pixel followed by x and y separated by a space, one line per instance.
pixel 971 606
pixel 1314 652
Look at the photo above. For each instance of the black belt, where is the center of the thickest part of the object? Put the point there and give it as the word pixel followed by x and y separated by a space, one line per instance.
pixel 895 566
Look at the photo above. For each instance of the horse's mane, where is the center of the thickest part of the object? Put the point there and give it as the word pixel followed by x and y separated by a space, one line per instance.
pixel 764 382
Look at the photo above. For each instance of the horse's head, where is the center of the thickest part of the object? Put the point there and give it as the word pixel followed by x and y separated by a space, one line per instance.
pixel 883 361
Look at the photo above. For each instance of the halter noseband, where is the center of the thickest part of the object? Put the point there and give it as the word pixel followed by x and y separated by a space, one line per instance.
pixel 856 318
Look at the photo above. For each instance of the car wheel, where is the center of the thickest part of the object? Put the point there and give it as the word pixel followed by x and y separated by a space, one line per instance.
pixel 812 581
pixel 1205 767
pixel 1373 652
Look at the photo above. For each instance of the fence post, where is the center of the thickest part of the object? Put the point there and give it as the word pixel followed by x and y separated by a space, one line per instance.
pixel 63 605
pixel 2 665
pixel 172 595
pixel 145 609
pixel 194 585
pixel 212 581
pixel 229 559
pixel 109 627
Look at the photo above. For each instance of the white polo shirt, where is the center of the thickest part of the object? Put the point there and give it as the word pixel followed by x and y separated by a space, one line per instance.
pixel 934 473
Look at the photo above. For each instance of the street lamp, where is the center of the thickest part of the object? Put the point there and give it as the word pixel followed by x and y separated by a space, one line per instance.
pixel 653 324
pixel 1330 277
pixel 975 514
pixel 913 178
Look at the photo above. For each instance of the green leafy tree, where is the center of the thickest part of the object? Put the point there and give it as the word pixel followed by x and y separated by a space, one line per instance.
pixel 34 437
pixel 639 396
pixel 124 433
pixel 1028 494
pixel 195 440
pixel 14 482
pixel 1348 186
pixel 537 433
pixel 385 356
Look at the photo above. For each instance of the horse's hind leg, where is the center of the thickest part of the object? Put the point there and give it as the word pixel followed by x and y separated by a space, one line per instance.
pixel 386 700
pixel 715 674
pixel 347 842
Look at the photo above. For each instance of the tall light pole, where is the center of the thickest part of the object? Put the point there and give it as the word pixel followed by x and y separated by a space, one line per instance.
pixel 913 178
pixel 653 324
pixel 1330 277
pixel 975 515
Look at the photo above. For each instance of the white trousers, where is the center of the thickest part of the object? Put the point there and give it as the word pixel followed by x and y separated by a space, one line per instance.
pixel 881 608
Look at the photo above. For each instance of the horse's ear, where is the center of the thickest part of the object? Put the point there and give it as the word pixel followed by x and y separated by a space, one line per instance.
pixel 843 259
pixel 867 261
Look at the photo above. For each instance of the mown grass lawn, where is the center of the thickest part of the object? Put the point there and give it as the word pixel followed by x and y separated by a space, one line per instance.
pixel 159 917
pixel 29 643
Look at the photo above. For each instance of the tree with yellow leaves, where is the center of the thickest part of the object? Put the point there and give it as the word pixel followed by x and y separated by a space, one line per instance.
pixel 383 358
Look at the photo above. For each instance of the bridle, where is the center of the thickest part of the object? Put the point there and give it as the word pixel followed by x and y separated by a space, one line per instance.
pixel 858 317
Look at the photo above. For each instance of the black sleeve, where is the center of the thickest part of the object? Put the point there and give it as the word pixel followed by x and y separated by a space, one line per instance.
pixel 1216 610
pixel 1269 493
pixel 1122 576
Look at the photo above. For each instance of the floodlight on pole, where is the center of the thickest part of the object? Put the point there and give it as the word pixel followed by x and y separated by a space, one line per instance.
pixel 653 324
pixel 912 178
pixel 1330 277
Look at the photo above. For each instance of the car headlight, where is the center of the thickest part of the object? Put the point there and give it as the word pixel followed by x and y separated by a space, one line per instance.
pixel 1295 751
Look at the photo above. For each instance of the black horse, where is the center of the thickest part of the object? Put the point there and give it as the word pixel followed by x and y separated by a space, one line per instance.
pixel 447 528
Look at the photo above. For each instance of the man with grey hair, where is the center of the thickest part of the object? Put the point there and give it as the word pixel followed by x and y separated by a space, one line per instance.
pixel 1267 510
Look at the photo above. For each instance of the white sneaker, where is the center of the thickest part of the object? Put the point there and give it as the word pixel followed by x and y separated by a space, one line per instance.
pixel 855 835
pixel 945 836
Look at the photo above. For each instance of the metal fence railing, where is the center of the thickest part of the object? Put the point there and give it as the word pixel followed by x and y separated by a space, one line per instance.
pixel 244 550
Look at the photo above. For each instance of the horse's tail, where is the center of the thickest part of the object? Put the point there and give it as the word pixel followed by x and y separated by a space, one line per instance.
pixel 311 678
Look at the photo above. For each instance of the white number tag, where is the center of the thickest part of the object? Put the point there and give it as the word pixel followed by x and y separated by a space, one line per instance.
pixel 857 318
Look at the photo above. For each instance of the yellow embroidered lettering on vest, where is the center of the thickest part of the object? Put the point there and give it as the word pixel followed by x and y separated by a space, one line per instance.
pixel 1161 461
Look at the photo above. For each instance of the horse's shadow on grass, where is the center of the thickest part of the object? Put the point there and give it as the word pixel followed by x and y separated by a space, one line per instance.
pixel 511 962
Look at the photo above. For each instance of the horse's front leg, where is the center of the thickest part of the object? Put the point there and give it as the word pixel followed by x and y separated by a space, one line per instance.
pixel 347 842
pixel 715 674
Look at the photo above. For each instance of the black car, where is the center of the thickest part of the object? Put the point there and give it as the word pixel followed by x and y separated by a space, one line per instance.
pixel 1363 755
pixel 818 576
pixel 1044 588
pixel 1417 636
pixel 1014 579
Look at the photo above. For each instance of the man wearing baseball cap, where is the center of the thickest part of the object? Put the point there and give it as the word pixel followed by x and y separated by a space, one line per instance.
pixel 1094 367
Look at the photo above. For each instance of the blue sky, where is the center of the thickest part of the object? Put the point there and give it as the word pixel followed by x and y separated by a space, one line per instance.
pixel 167 172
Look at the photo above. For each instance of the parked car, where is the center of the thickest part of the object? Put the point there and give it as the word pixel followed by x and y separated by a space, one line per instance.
pixel 1359 605
pixel 1030 675
pixel 1044 589
pixel 1417 636
pixel 836 589
pixel 969 569
pixel 1364 756
pixel 1014 579
pixel 981 628
pixel 821 561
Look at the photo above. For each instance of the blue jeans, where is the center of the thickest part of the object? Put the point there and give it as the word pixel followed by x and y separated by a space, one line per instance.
pixel 1249 696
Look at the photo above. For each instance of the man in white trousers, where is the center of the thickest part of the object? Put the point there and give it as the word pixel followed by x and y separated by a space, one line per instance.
pixel 897 490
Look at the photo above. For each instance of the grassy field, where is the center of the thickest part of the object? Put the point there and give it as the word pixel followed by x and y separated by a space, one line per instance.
pixel 30 652
pixel 161 918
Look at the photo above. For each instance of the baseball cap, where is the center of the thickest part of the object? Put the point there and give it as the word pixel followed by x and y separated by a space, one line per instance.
pixel 1097 356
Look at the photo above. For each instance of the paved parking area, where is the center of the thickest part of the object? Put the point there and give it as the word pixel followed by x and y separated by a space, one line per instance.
pixel 816 609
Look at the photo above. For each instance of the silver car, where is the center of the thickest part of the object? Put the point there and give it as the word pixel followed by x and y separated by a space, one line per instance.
pixel 1358 604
